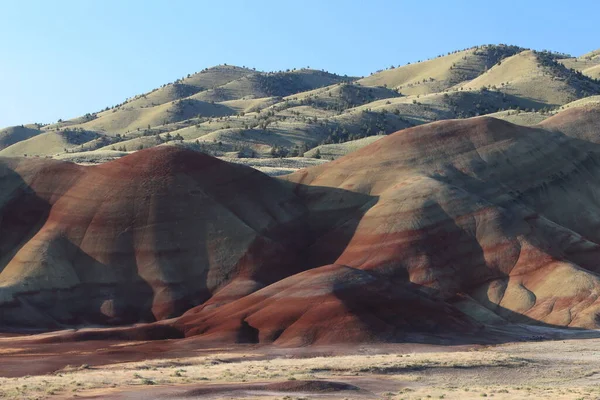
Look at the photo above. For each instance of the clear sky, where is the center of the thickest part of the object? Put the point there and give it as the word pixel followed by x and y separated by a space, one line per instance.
pixel 64 58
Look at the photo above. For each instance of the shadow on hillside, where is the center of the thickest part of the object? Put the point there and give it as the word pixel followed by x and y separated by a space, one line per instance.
pixel 456 265
pixel 582 182
pixel 22 216
pixel 122 289
pixel 333 217
pixel 97 299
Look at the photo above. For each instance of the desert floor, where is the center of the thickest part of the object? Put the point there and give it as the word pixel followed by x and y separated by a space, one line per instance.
pixel 37 367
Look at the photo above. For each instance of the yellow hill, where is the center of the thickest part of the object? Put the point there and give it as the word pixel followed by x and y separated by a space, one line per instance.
pixel 520 118
pixel 15 134
pixel 49 143
pixel 579 64
pixel 439 106
pixel 595 54
pixel 133 119
pixel 587 101
pixel 536 77
pixel 250 105
pixel 261 85
pixel 234 111
pixel 440 73
pixel 593 72
pixel 216 76
pixel 337 97
pixel 336 150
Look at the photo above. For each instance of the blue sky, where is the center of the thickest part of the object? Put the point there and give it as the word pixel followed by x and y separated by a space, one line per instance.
pixel 61 59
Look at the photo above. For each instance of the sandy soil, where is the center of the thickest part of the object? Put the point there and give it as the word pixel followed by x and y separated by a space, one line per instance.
pixel 32 368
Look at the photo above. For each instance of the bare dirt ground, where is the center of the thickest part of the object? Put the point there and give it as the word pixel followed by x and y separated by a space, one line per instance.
pixel 33 368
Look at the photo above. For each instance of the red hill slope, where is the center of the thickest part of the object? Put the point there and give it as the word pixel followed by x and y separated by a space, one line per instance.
pixel 435 229
pixel 505 214
pixel 143 238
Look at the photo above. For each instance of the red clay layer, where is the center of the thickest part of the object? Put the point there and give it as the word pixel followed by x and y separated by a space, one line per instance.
pixel 435 229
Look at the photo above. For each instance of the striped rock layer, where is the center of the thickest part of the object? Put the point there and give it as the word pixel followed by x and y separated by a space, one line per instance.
pixel 442 228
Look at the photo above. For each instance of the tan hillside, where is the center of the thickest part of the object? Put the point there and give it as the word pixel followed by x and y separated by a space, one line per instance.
pixel 276 166
pixel 294 136
pixel 520 118
pixel 49 143
pixel 261 132
pixel 127 119
pixel 261 85
pixel 137 143
pixel 268 166
pixel 440 73
pixel 339 97
pixel 14 134
pixel 531 118
pixel 73 121
pixel 337 150
pixel 192 84
pixel 165 94
pixel 296 127
pixel 591 101
pixel 91 157
pixel 250 105
pixel 536 77
pixel 235 111
pixel 334 151
pixel 592 55
pixel 321 110
pixel 215 76
pixel 593 72
pixel 439 106
pixel 579 63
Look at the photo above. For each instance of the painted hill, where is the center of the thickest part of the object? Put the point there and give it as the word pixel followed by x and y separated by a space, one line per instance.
pixel 323 306
pixel 120 242
pixel 443 228
pixel 470 194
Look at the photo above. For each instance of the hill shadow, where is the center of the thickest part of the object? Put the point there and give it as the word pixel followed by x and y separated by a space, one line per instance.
pixel 428 314
pixel 91 302
pixel 277 251
pixel 22 214
pixel 22 217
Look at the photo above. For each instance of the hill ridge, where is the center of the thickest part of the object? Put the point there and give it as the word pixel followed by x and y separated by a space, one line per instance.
pixel 239 112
